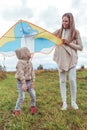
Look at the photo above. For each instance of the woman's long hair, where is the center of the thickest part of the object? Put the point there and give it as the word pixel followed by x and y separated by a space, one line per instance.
pixel 72 27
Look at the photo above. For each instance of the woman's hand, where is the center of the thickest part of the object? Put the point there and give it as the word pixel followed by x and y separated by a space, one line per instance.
pixel 24 87
pixel 65 41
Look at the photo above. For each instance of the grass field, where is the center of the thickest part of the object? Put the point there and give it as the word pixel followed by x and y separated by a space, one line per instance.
pixel 49 115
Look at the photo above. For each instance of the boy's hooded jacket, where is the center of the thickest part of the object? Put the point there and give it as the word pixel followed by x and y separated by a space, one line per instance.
pixel 24 67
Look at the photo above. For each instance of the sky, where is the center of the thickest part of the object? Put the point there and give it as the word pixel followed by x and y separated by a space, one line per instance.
pixel 46 14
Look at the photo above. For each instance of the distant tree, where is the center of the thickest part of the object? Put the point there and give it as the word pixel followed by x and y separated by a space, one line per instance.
pixel 2 68
pixel 40 67
pixel 82 67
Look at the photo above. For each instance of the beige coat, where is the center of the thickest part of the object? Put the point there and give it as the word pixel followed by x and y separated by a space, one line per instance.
pixel 66 56
pixel 24 67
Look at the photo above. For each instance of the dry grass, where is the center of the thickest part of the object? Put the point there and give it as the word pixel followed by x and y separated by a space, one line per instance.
pixel 2 75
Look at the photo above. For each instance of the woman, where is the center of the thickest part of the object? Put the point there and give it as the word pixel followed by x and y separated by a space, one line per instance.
pixel 66 57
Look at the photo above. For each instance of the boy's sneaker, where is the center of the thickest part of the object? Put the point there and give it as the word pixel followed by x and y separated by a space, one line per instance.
pixel 33 110
pixel 16 112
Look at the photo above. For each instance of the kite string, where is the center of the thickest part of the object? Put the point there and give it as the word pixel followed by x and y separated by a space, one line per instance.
pixel 32 54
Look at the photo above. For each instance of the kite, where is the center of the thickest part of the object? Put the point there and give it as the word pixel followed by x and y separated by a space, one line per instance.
pixel 26 34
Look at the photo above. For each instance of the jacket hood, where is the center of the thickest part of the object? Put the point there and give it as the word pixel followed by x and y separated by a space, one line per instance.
pixel 23 53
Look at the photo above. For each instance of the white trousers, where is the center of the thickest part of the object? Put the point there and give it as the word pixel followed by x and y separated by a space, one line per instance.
pixel 72 82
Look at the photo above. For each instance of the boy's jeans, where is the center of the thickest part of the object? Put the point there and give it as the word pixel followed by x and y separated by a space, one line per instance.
pixel 21 95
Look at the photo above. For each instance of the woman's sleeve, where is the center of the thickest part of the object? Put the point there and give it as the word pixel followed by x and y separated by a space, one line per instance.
pixel 77 43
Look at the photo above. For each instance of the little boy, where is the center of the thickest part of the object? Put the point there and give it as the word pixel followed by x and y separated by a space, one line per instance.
pixel 25 79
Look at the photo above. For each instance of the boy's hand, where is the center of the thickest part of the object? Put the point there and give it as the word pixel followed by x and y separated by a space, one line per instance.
pixel 24 87
pixel 32 85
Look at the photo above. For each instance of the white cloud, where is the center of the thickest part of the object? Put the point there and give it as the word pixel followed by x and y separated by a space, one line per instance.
pixel 46 14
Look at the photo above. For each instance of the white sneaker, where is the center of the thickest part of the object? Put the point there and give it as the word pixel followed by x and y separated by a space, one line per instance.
pixel 64 107
pixel 75 106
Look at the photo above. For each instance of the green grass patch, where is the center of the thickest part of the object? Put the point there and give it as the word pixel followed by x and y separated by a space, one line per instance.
pixel 49 115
